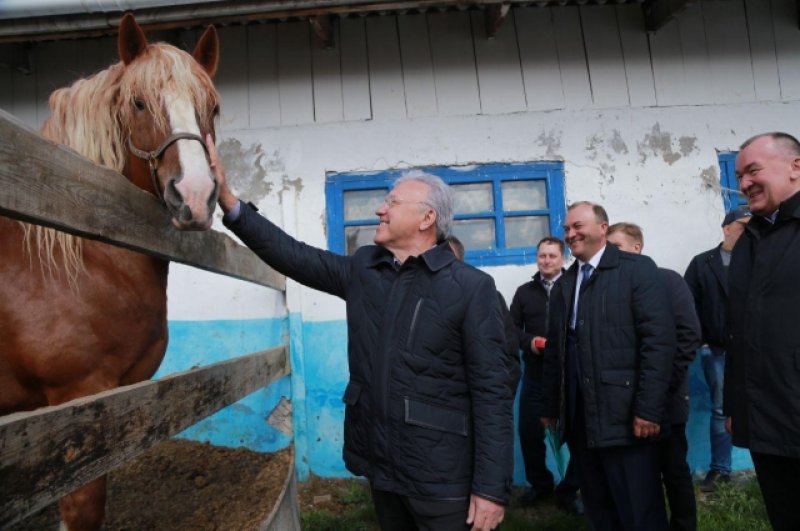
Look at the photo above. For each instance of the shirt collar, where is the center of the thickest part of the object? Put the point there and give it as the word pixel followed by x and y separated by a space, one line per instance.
pixel 595 260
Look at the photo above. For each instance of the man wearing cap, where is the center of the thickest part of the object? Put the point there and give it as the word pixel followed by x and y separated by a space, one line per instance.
pixel 707 277
pixel 762 398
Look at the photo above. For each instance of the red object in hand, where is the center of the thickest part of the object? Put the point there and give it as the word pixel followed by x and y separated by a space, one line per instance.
pixel 539 342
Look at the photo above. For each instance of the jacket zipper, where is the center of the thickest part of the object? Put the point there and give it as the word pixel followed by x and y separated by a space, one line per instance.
pixel 413 325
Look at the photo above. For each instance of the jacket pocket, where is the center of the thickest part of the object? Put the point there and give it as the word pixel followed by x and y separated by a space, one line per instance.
pixel 351 393
pixel 621 378
pixel 435 417
pixel 619 389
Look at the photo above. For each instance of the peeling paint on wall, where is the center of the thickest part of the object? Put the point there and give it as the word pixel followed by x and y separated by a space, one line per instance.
pixel 246 168
pixel 297 184
pixel 552 141
pixel 658 143
pixel 688 144
pixel 617 144
pixel 710 178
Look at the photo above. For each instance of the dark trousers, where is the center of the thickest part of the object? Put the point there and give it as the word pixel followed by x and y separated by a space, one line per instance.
pixel 677 479
pixel 620 485
pixel 777 477
pixel 402 513
pixel 534 450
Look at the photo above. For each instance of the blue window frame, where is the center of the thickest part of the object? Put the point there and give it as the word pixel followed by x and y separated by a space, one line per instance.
pixel 731 197
pixel 501 210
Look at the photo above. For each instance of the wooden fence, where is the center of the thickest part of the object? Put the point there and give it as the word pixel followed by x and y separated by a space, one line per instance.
pixel 48 452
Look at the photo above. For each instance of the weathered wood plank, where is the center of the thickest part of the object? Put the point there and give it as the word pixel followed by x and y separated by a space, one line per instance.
pixel 762 50
pixel 44 183
pixel 231 78
pixel 604 56
pixel 49 452
pixel 667 59
pixel 636 52
pixel 572 57
pixel 385 70
pixel 262 75
pixel 355 75
pixel 729 51
pixel 417 65
pixel 294 73
pixel 696 61
pixel 498 66
pixel 326 67
pixel 787 42
pixel 539 58
pixel 454 64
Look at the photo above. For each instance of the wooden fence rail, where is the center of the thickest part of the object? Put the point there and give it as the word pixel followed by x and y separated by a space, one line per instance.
pixel 49 452
pixel 48 184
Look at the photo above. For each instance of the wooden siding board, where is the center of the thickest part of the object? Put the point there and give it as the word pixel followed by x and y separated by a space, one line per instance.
pixel 667 60
pixel 355 71
pixel 295 84
pixel 454 64
pixel 25 102
pixel 498 67
pixel 326 71
pixel 262 66
pixel 728 51
pixel 572 57
pixel 231 79
pixel 787 43
pixel 604 56
pixel 57 67
pixel 385 69
pixel 696 63
pixel 417 66
pixel 541 73
pixel 762 50
pixel 636 54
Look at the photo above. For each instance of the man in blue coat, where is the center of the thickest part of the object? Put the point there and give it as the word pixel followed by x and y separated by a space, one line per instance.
pixel 607 369
pixel 428 409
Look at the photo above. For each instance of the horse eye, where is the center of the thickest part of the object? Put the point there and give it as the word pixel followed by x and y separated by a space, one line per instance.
pixel 139 104
pixel 215 112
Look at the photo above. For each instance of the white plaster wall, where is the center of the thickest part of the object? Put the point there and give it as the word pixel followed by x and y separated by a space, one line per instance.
pixel 655 166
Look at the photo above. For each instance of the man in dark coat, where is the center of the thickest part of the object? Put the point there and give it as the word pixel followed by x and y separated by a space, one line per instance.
pixel 762 377
pixel 429 409
pixel 675 473
pixel 529 313
pixel 607 367
pixel 707 277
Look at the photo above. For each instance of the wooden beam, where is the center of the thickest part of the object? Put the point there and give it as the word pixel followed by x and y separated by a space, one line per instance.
pixel 49 452
pixel 323 29
pixel 658 12
pixel 16 57
pixel 495 15
pixel 44 183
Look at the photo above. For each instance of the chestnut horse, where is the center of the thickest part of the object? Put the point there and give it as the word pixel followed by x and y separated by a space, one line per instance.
pixel 78 316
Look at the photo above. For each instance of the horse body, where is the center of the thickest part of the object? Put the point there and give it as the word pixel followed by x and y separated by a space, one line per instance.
pixel 78 316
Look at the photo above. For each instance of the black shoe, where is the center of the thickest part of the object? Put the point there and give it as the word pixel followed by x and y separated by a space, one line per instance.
pixel 709 484
pixel 573 506
pixel 531 496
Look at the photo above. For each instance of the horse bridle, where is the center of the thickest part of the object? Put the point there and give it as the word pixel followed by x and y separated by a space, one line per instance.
pixel 152 157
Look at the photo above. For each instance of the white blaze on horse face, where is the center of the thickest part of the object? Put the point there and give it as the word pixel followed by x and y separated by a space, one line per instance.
pixel 196 185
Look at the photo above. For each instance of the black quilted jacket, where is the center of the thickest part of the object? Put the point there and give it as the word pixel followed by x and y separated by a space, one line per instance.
pixel 428 406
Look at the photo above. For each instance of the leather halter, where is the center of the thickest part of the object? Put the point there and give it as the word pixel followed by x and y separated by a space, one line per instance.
pixel 152 157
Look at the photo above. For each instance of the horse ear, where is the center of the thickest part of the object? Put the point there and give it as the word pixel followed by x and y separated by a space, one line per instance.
pixel 131 42
pixel 207 51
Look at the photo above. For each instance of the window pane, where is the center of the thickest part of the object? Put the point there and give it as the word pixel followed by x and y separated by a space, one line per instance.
pixel 475 234
pixel 356 237
pixel 473 197
pixel 362 204
pixel 526 231
pixel 524 195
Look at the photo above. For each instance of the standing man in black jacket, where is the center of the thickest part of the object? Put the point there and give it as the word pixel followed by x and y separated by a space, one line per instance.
pixel 529 313
pixel 707 277
pixel 607 367
pixel 675 473
pixel 762 376
pixel 428 415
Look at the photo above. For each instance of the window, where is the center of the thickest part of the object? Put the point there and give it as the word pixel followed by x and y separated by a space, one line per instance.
pixel 501 210
pixel 731 196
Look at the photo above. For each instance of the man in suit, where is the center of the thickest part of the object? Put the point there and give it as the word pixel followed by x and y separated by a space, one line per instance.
pixel 607 368
pixel 675 473
pixel 707 277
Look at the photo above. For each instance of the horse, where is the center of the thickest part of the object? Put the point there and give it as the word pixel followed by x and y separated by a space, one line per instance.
pixel 78 316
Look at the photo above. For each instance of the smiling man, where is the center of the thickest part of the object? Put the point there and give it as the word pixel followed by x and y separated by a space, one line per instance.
pixel 428 408
pixel 607 367
pixel 762 375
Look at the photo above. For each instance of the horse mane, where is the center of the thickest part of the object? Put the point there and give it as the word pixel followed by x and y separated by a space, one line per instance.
pixel 90 117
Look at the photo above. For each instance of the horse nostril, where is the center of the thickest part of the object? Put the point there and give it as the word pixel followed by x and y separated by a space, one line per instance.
pixel 184 214
pixel 172 196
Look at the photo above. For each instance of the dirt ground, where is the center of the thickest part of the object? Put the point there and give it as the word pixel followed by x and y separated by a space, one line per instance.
pixel 183 485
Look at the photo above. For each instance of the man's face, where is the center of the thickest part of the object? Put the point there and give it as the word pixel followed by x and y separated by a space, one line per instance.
pixel 624 242
pixel 584 234
pixel 768 175
pixel 403 214
pixel 550 260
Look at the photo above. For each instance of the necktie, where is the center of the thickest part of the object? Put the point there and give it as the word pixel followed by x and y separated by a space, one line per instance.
pixel 548 284
pixel 586 272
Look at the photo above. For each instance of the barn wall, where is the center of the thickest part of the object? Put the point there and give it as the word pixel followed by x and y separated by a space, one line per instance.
pixel 637 118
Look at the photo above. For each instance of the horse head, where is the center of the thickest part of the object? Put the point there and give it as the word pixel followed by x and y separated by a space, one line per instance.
pixel 166 105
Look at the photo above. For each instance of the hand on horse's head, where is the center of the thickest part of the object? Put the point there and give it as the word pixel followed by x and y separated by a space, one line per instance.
pixel 227 200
